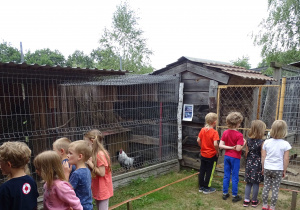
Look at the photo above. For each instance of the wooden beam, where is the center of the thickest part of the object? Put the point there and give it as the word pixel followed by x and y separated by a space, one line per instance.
pixel 208 73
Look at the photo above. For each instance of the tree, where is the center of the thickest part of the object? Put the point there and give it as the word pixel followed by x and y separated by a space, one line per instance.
pixel 9 53
pixel 45 57
pixel 283 58
pixel 281 30
pixel 79 59
pixel 243 62
pixel 124 40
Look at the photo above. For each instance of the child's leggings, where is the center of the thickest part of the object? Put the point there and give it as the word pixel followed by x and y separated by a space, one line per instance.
pixel 272 179
pixel 255 187
pixel 102 204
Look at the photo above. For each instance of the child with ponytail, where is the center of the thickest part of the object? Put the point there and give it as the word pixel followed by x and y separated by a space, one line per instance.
pixel 100 165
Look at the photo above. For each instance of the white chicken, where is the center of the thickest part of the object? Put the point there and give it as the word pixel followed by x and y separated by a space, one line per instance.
pixel 125 161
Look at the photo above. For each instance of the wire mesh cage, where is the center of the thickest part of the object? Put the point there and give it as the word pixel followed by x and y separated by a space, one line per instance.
pixel 252 101
pixel 291 114
pixel 136 113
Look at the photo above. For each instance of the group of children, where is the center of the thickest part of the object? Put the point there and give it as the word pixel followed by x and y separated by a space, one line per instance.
pixel 74 174
pixel 266 160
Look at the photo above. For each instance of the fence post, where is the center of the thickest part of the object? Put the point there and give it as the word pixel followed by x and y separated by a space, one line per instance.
pixel 129 205
pixel 179 118
pixel 294 200
pixel 282 94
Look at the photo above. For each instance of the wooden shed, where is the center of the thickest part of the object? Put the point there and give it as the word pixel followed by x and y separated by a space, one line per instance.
pixel 201 79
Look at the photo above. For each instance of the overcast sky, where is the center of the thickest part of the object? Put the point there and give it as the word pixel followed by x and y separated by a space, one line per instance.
pixel 208 29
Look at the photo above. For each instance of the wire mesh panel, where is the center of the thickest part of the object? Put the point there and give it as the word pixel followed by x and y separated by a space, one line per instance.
pixel 252 101
pixel 136 113
pixel 291 114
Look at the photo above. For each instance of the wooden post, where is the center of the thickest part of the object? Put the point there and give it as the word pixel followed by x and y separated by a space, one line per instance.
pixel 282 98
pixel 258 103
pixel 294 200
pixel 129 205
pixel 179 120
pixel 212 95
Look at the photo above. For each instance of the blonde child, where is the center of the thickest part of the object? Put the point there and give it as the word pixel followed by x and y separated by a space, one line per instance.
pixel 275 160
pixel 253 175
pixel 208 141
pixel 58 193
pixel 233 142
pixel 79 153
pixel 60 146
pixel 102 187
pixel 20 191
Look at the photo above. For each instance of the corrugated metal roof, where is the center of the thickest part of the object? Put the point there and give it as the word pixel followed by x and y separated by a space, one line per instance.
pixel 57 67
pixel 241 72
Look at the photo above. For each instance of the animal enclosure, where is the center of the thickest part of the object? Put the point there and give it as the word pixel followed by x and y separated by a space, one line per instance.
pixel 136 113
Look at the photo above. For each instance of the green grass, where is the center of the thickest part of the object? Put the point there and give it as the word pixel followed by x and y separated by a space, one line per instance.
pixel 183 195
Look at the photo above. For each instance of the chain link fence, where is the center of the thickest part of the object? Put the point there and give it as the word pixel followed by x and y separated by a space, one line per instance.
pixel 252 101
pixel 136 113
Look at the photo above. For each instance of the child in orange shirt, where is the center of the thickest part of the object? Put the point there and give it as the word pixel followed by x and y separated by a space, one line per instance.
pixel 102 187
pixel 208 141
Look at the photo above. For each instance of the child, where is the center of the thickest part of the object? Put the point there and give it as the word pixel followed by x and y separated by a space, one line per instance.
pixel 58 194
pixel 208 141
pixel 79 153
pixel 275 160
pixel 20 191
pixel 60 146
pixel 253 168
pixel 233 142
pixel 102 187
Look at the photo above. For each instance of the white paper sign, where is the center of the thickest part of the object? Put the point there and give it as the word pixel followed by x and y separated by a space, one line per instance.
pixel 188 112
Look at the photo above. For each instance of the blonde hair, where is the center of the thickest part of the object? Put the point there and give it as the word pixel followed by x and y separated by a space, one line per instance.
pixel 17 153
pixel 278 129
pixel 257 129
pixel 48 163
pixel 82 147
pixel 62 143
pixel 233 119
pixel 210 118
pixel 97 137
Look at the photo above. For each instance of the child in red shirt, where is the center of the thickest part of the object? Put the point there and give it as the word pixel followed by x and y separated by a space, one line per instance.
pixel 233 142
pixel 208 141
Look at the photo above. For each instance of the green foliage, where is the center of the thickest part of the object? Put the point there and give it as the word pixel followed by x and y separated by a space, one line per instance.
pixel 124 40
pixel 9 53
pixel 242 62
pixel 79 59
pixel 281 30
pixel 283 58
pixel 45 57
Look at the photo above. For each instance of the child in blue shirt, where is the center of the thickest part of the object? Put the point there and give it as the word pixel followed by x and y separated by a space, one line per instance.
pixel 79 153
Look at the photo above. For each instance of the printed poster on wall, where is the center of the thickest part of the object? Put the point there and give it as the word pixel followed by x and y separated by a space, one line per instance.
pixel 188 112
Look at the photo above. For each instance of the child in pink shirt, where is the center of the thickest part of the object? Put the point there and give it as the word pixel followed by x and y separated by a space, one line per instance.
pixel 58 194
pixel 102 187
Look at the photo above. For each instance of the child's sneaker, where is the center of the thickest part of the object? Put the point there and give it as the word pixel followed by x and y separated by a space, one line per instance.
pixel 236 198
pixel 225 196
pixel 209 190
pixel 246 203
pixel 265 207
pixel 271 208
pixel 255 203
pixel 201 189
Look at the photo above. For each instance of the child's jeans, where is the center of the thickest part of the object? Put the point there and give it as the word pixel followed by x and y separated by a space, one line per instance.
pixel 255 187
pixel 231 166
pixel 272 180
